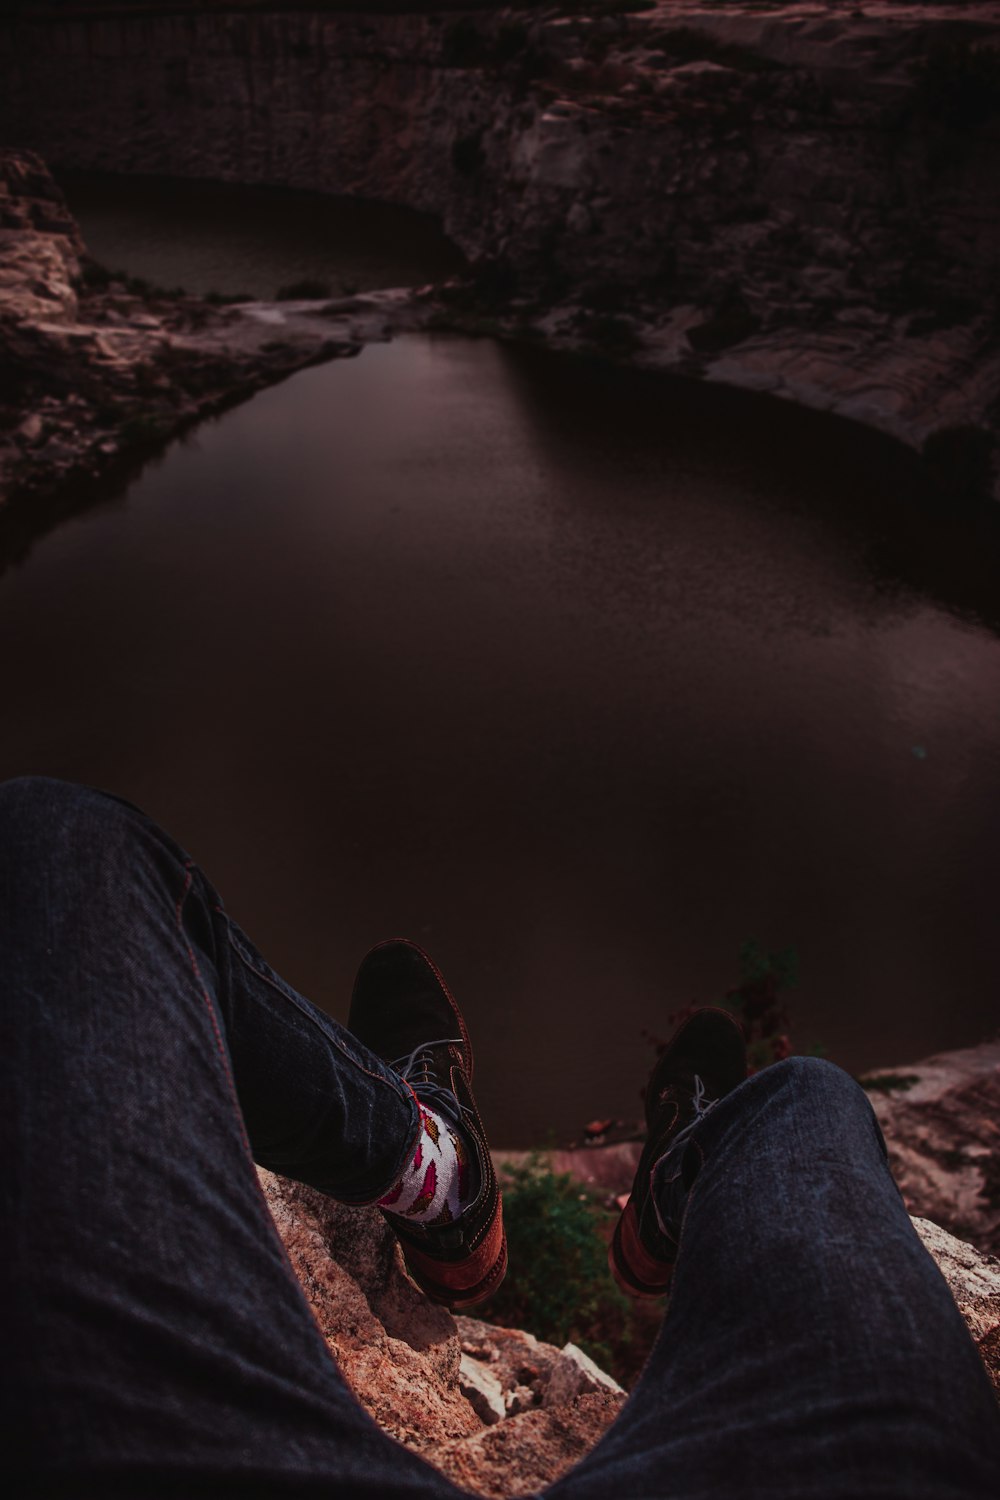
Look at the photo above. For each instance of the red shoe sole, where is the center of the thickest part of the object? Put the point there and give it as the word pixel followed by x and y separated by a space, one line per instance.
pixel 637 1273
pixel 427 1274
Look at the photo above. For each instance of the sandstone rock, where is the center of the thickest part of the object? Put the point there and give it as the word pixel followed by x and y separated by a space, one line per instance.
pixel 93 359
pixel 678 153
pixel 518 1359
pixel 431 1380
pixel 535 1410
pixel 523 1454
pixel 349 1265
pixel 974 1280
pixel 482 1390
pixel 575 1374
pixel 941 1120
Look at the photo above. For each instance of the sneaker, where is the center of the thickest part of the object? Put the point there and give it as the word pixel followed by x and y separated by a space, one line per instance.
pixel 704 1060
pixel 403 1010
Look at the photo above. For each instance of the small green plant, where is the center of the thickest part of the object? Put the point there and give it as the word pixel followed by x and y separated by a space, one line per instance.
pixel 757 1003
pixel 306 290
pixel 559 1287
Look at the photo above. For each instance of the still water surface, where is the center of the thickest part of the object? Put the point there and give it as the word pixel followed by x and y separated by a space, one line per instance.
pixel 219 237
pixel 579 678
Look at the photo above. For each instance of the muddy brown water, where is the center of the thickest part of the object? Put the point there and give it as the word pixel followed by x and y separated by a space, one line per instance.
pixel 222 237
pixel 580 678
pixel 577 677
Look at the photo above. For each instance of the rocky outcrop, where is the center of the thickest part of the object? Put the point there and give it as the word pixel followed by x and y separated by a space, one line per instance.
pixel 496 1409
pixel 974 1281
pixel 802 199
pixel 96 372
pixel 941 1121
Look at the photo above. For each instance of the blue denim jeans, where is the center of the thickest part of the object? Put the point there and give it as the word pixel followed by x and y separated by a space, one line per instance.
pixel 156 1342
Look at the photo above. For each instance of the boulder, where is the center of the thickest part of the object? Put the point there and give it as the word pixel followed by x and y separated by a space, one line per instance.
pixel 497 1410
pixel 974 1280
pixel 575 1374
pixel 473 1399
pixel 941 1121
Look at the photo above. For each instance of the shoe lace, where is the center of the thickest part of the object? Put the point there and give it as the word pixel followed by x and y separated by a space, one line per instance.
pixel 701 1107
pixel 418 1071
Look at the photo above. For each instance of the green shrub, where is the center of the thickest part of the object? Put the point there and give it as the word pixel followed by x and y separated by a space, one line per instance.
pixel 559 1286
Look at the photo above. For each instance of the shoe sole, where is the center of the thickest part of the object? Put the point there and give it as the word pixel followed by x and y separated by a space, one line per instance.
pixel 636 1272
pixel 457 1297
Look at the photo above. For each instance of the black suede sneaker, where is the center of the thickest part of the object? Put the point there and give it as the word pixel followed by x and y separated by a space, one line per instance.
pixel 403 1010
pixel 704 1060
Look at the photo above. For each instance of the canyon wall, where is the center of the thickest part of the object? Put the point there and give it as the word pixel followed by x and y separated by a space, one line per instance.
pixel 803 200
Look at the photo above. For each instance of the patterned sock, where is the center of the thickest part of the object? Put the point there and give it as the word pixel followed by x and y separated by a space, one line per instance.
pixel 438 1183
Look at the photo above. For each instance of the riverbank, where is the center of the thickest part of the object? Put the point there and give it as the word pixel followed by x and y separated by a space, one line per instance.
pixel 101 371
pixel 798 201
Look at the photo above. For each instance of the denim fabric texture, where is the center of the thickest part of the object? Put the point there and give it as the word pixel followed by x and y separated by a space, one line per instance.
pixel 156 1342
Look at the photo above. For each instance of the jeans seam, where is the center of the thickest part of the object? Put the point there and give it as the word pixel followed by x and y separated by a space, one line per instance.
pixel 401 1091
pixel 203 988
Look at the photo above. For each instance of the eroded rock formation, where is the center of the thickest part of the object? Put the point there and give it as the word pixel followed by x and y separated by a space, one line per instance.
pixel 800 199
pixel 94 370
pixel 496 1409
pixel 941 1121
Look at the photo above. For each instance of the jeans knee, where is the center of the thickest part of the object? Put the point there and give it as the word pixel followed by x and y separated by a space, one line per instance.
pixel 816 1076
pixel 823 1086
pixel 45 821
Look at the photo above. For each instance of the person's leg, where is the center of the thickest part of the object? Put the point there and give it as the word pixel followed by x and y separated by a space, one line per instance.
pixel 155 1338
pixel 811 1348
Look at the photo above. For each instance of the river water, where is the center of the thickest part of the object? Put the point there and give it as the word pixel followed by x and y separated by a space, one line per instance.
pixel 217 237
pixel 578 677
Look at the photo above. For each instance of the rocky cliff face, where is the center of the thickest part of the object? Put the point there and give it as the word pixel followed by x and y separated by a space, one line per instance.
pixel 95 372
pixel 802 200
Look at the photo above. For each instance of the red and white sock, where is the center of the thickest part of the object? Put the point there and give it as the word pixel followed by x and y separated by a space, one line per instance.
pixel 437 1184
